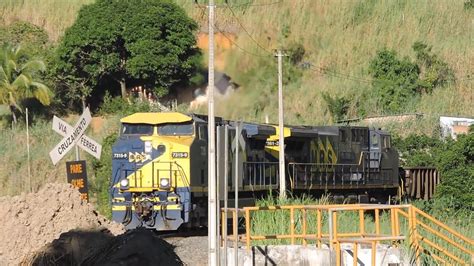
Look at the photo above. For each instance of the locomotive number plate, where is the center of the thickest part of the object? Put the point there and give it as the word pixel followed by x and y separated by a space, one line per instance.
pixel 179 154
pixel 272 143
pixel 123 155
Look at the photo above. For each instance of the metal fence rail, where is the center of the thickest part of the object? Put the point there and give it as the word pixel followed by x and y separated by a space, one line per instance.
pixel 424 234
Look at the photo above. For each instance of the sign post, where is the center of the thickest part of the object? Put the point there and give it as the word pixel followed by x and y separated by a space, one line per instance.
pixel 77 177
pixel 74 136
pixel 85 143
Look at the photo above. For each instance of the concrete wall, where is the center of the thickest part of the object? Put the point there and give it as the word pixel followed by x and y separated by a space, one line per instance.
pixel 297 255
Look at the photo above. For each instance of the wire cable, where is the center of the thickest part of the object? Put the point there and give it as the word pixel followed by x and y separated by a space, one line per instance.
pixel 246 31
pixel 230 39
pixel 236 45
pixel 249 4
pixel 339 75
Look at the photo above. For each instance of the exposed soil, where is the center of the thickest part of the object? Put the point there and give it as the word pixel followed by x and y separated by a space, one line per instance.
pixel 54 227
pixel 30 221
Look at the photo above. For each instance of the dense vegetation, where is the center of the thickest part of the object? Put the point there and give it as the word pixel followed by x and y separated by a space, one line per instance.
pixel 345 59
pixel 455 162
pixel 117 44
pixel 19 79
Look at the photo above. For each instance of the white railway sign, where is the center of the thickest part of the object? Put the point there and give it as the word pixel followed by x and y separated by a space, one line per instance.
pixel 74 136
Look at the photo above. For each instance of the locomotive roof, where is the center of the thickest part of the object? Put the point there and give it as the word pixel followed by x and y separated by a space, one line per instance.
pixel 255 130
pixel 156 118
pixel 303 132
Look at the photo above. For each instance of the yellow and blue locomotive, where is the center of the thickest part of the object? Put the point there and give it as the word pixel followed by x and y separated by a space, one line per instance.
pixel 151 163
pixel 159 169
pixel 159 166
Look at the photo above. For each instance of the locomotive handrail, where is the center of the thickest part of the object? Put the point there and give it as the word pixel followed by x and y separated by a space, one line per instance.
pixel 325 171
pixel 253 167
pixel 334 164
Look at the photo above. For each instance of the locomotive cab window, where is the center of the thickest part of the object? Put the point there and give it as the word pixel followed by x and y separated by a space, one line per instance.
pixel 343 137
pixel 137 129
pixel 359 135
pixel 374 140
pixel 203 132
pixel 182 129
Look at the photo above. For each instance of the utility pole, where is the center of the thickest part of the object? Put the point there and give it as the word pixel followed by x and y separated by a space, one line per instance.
pixel 212 204
pixel 30 187
pixel 281 140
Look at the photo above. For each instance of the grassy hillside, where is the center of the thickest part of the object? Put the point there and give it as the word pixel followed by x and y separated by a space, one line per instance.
pixel 53 15
pixel 341 36
pixel 13 154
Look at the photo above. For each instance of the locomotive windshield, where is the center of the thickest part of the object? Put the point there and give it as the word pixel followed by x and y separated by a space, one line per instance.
pixel 182 129
pixel 137 129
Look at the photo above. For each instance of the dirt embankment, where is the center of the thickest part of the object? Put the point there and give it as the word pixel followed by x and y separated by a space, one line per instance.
pixel 30 221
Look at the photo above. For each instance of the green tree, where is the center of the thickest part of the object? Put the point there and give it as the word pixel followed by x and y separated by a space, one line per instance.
pixel 146 42
pixel 19 79
pixel 395 80
pixel 418 150
pixel 456 166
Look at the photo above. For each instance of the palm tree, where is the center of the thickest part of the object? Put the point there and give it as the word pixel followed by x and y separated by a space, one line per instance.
pixel 19 79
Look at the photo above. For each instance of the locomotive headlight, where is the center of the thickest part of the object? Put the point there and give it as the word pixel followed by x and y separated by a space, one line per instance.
pixel 164 183
pixel 124 183
pixel 148 147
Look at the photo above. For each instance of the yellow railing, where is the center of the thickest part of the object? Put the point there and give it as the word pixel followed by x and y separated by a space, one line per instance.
pixel 424 234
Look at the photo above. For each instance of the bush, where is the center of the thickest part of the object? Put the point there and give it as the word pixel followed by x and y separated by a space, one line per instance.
pixel 32 38
pixel 469 5
pixel 103 172
pixel 296 52
pixel 337 106
pixel 434 71
pixel 417 150
pixel 395 80
pixel 118 105
pixel 455 163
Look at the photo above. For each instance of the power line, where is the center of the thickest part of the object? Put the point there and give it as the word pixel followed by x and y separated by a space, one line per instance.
pixel 323 71
pixel 236 45
pixel 335 74
pixel 230 39
pixel 339 75
pixel 246 31
pixel 249 4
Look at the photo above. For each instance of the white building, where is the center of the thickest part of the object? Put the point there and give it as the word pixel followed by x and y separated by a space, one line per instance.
pixel 453 126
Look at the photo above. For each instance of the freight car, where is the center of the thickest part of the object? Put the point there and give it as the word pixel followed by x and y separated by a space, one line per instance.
pixel 159 166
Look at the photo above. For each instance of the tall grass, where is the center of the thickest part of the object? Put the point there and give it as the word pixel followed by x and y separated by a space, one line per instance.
pixel 338 35
pixel 277 222
pixel 13 155
pixel 55 16
pixel 343 36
